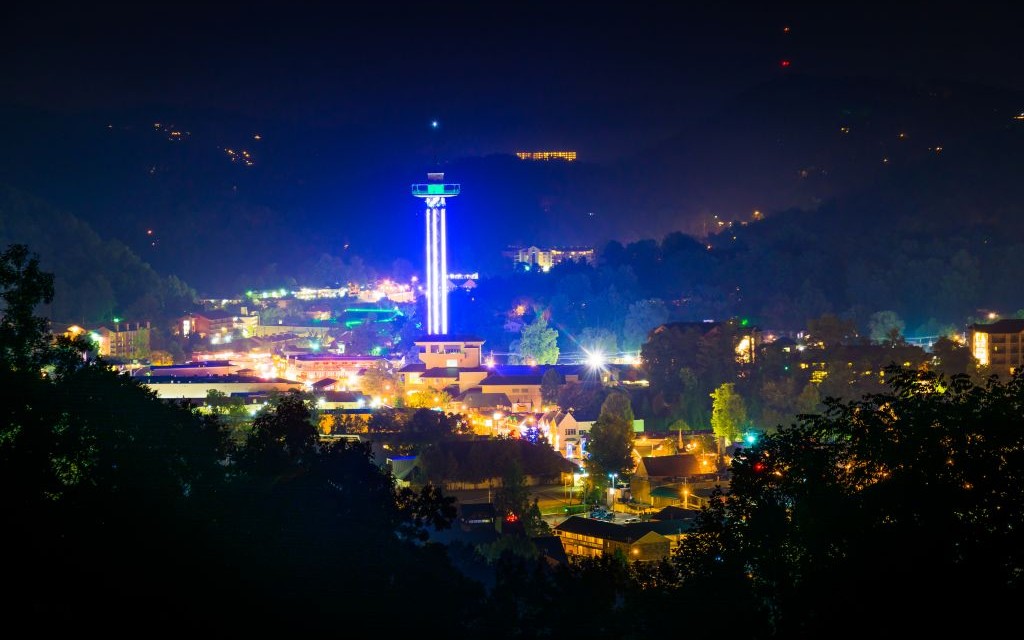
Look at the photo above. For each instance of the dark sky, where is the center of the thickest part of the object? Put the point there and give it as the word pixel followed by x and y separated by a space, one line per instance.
pixel 604 78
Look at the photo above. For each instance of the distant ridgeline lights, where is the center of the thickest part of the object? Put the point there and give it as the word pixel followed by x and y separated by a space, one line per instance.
pixel 568 156
pixel 434 192
pixel 464 276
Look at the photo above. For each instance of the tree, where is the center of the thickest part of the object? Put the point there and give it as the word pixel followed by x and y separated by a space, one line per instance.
pixel 951 357
pixel 283 435
pixel 24 339
pixel 886 327
pixel 924 483
pixel 728 413
pixel 611 438
pixel 379 380
pixel 598 340
pixel 160 357
pixel 428 399
pixel 584 399
pixel 538 344
pixel 550 385
pixel 513 497
pixel 669 349
pixel 831 330
pixel 643 315
pixel 809 400
pixel 429 425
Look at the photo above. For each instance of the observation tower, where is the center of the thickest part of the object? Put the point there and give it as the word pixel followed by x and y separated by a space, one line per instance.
pixel 434 192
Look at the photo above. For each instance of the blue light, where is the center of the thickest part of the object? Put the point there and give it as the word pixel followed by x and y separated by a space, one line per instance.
pixel 434 124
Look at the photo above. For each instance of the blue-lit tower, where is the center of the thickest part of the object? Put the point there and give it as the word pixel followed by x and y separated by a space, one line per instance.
pixel 434 193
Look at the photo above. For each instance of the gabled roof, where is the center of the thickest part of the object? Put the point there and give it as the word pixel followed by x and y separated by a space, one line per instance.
pixel 414 367
pixel 555 417
pixel 343 396
pixel 480 400
pixel 551 548
pixel 476 511
pixel 674 513
pixel 322 384
pixel 604 530
pixel 677 466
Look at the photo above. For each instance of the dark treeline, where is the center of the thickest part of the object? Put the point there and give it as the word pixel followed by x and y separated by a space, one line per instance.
pixel 778 273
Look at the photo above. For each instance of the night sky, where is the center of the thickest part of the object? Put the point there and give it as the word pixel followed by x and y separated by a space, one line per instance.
pixel 604 78
pixel 677 112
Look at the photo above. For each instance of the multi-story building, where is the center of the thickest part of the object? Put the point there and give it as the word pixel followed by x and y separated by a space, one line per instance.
pixel 999 345
pixel 533 257
pixel 124 343
pixel 445 361
pixel 209 323
pixel 568 156
pixel 311 367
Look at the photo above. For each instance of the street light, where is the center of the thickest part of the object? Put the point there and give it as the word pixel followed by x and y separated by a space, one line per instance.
pixel 611 492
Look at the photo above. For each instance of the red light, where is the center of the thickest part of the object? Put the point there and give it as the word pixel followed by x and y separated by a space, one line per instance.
pixel 785 29
pixel 758 467
pixel 511 517
pixel 784 63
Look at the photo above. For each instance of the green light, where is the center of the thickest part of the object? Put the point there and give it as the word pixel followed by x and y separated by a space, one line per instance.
pixel 117 319
pixel 744 322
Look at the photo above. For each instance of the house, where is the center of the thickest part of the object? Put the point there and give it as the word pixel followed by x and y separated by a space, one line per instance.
pixel 476 515
pixel 660 480
pixel 524 391
pixel 650 541
pixel 566 435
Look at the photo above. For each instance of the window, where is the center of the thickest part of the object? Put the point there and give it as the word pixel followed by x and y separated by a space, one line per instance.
pixel 570 432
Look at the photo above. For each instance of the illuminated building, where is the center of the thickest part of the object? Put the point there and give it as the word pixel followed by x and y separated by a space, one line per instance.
pixel 544 259
pixel 999 345
pixel 124 343
pixel 568 156
pixel 434 193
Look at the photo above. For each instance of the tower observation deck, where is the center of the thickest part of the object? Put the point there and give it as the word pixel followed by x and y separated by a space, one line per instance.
pixel 434 192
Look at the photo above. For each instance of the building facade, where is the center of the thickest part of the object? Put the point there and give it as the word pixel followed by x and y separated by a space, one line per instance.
pixel 999 345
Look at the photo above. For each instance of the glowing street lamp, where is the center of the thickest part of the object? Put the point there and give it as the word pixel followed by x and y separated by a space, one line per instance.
pixel 611 491
pixel 595 359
